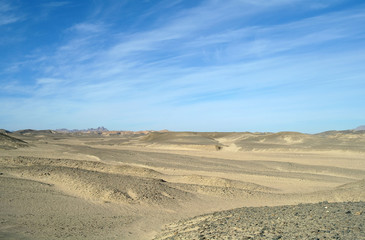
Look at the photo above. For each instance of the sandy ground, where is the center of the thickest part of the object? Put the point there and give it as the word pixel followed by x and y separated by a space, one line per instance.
pixel 88 186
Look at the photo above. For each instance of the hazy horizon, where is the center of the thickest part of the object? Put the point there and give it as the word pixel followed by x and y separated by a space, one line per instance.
pixel 170 130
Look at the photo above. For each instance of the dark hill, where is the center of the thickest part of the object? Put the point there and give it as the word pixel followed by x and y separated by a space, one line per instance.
pixel 8 142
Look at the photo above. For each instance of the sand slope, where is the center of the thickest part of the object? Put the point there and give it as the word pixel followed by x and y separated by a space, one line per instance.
pixel 9 142
pixel 305 221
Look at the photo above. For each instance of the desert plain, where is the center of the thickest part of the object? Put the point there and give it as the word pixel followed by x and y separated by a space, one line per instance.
pixel 182 185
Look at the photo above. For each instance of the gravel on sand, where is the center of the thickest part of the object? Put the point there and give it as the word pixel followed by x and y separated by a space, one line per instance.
pixel 304 221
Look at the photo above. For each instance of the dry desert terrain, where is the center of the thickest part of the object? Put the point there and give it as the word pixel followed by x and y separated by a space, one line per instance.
pixel 182 185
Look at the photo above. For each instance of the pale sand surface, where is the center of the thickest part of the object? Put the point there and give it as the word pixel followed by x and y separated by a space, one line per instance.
pixel 88 186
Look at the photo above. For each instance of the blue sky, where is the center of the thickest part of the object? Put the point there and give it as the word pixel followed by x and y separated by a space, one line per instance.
pixel 211 65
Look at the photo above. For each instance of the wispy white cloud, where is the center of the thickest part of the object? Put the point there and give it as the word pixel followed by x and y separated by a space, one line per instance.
pixel 120 61
pixel 88 28
pixel 207 57
pixel 55 4
pixel 8 14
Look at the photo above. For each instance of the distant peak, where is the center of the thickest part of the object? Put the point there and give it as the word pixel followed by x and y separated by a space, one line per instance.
pixel 360 128
pixel 98 129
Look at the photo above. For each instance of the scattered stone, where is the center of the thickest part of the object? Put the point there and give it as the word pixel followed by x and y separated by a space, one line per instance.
pixel 316 221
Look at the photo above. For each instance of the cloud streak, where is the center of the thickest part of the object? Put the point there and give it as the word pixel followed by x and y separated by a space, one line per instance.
pixel 7 14
pixel 215 55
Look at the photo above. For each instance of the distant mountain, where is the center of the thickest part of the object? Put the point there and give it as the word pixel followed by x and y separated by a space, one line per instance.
pixel 30 132
pixel 360 128
pixel 99 129
pixel 106 132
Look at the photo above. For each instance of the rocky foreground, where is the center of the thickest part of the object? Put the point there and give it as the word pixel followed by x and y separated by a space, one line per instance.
pixel 304 221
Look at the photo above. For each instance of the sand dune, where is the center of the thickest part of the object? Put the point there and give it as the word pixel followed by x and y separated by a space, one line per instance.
pixel 183 140
pixel 108 186
pixel 282 141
